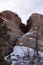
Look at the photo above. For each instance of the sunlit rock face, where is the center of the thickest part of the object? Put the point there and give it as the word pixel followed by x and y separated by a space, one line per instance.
pixel 29 39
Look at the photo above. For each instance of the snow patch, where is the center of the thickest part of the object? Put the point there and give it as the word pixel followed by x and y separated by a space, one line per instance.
pixel 19 52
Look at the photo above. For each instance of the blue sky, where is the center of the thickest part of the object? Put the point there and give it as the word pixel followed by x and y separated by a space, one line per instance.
pixel 24 8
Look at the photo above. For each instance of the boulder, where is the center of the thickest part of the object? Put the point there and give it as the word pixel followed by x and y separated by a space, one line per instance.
pixel 35 35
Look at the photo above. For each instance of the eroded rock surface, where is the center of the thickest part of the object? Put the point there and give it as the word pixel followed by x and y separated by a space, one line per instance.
pixel 29 39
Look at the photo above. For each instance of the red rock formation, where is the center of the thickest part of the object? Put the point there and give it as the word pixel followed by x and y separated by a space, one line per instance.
pixel 14 19
pixel 13 22
pixel 37 19
pixel 29 39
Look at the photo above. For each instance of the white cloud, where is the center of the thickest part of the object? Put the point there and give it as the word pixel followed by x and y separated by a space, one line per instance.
pixel 23 7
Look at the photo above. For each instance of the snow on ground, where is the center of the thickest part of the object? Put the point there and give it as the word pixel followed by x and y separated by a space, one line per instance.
pixel 20 50
pixel 18 54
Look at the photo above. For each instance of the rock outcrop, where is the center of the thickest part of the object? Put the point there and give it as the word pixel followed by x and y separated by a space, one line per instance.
pixel 14 20
pixel 17 29
pixel 34 20
pixel 13 23
pixel 29 39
